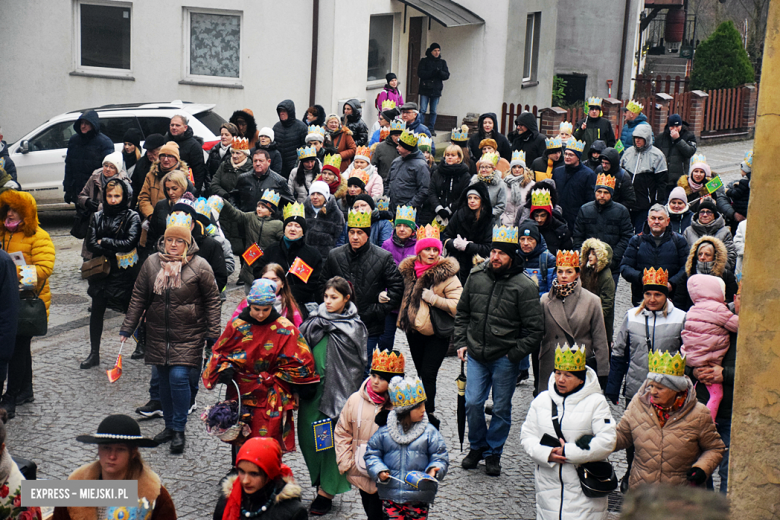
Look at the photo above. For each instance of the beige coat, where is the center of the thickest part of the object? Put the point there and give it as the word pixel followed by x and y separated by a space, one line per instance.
pixel 664 455
pixel 349 436
pixel 415 314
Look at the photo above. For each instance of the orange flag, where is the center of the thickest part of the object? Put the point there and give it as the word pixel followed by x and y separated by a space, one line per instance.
pixel 301 269
pixel 252 253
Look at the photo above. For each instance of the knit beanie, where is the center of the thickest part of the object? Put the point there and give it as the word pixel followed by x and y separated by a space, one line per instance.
pixel 676 383
pixel 506 247
pixel 263 292
pixel 704 166
pixel 425 243
pixel 678 193
pixel 390 114
pixel 170 148
pixel 179 232
pixel 390 76
pixel 529 228
pixel 367 198
pixel 320 187
pixel 267 132
pixel 301 221
pixel 115 158
pixel 134 136
pixel 708 204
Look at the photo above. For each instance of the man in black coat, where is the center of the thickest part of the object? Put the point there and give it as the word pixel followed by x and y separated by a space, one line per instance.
pixel 527 138
pixel 290 134
pixel 190 148
pixel 432 72
pixel 373 273
pixel 624 188
pixel 574 182
pixel 678 145
pixel 6 162
pixel 594 127
pixel 251 185
pixel 86 150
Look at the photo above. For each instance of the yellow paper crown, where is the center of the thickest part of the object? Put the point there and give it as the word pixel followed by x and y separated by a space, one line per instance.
pixel 594 101
pixel 407 393
pixel 655 277
pixel 409 138
pixel 605 180
pixel 664 363
pixel 577 146
pixel 428 231
pixel 293 210
pixel 553 142
pixel 385 361
pixel 397 125
pixel 506 234
pixel 425 142
pixel 317 130
pixel 359 174
pixel 541 198
pixel 570 359
pixel 698 158
pixel 567 258
pixel 272 197
pixel 565 127
pixel 358 219
pixel 406 215
pixel 333 160
pixel 307 152
pixel 518 155
pixel 491 157
pixel 363 152
pixel 388 104
pixel 216 203
pixel 178 219
pixel 460 134
pixel 634 107
pixel 240 143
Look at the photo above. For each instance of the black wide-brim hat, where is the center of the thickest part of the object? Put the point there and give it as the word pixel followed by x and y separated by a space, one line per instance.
pixel 118 429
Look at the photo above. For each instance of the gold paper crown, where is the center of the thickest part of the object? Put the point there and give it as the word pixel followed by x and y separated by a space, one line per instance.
pixel 565 127
pixel 506 234
pixel 358 219
pixel 491 157
pixel 425 141
pixel 316 129
pixel 594 101
pixel 178 219
pixel 359 174
pixel 364 152
pixel 698 158
pixel 272 197
pixel 541 198
pixel 428 231
pixel 397 125
pixel 570 359
pixel 307 152
pixel 385 361
pixel 460 134
pixel 634 107
pixel 383 133
pixel 567 258
pixel 293 210
pixel 383 204
pixel 408 137
pixel 518 155
pixel 406 213
pixel 240 143
pixel 388 104
pixel 333 160
pixel 407 393
pixel 653 277
pixel 605 180
pixel 664 363
pixel 577 146
pixel 553 142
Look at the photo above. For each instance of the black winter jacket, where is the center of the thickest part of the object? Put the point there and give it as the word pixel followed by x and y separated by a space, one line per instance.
pixel 540 163
pixel 211 251
pixel 678 151
pixel 289 135
pixel 191 152
pixel 479 232
pixel 384 154
pixel 371 270
pixel 213 162
pixel 624 188
pixel 738 195
pixel 447 185
pixel 432 73
pixel 531 142
pixel 250 189
pixel 85 154
pixel 504 148
pixel 280 253
pixel 576 186
pixel 642 253
pixel 142 167
pixel 323 228
pixel 610 223
pixel 9 314
pixel 599 128
pixel 7 163
pixel 356 125
pixel 223 184
pixel 408 180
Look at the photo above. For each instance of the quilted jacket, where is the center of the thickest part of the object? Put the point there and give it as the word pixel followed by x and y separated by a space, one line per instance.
pixel 707 323
pixel 610 223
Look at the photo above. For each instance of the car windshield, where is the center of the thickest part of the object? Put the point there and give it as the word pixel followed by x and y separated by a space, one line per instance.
pixel 211 120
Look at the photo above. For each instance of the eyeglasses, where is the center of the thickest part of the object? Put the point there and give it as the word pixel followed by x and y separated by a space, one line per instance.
pixel 705 212
pixel 166 156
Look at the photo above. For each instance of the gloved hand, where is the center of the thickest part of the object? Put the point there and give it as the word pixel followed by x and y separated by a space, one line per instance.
pixel 696 476
pixel 443 212
pixel 145 225
pixel 226 376
pixel 428 295
pixel 583 442
pixel 92 205
pixel 612 398
pixel 69 198
pixel 383 297
pixel 460 243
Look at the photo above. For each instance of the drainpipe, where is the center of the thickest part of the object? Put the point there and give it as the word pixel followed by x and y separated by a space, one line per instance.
pixel 315 34
pixel 626 15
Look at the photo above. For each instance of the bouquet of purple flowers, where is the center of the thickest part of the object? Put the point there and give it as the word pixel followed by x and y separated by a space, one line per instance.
pixel 227 419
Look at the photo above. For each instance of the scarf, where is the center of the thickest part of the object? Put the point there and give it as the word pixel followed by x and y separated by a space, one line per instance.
pixel 373 396
pixel 695 186
pixel 169 275
pixel 238 165
pixel 334 186
pixel 420 268
pixel 289 242
pixel 704 267
pixel 278 305
pixel 663 413
pixel 562 290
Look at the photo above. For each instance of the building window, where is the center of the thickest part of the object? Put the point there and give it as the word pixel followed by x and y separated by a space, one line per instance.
pixel 213 45
pixel 531 58
pixel 103 38
pixel 380 47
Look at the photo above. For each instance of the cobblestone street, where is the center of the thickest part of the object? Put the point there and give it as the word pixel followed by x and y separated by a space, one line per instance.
pixel 70 401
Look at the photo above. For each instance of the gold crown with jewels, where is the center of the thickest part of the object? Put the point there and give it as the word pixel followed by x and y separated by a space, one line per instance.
pixel 518 155
pixel 293 210
pixel 634 107
pixel 553 142
pixel 605 180
pixel 698 158
pixel 388 104
pixel 570 359
pixel 409 138
pixel 408 392
pixel 567 258
pixel 358 219
pixel 428 231
pixel 397 125
pixel 383 204
pixel 332 160
pixel 240 143
pixel 491 157
pixel 565 127
pixel 359 174
pixel 178 219
pixel 391 362
pixel 577 146
pixel 407 213
pixel 541 198
pixel 460 134
pixel 664 363
pixel 363 152
pixel 655 277
pixel 507 234
pixel 424 142
pixel 307 152
pixel 271 196
pixel 594 101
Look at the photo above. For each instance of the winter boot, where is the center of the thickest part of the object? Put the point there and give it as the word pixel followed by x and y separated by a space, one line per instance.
pixel 139 352
pixel 9 405
pixel 177 443
pixel 92 360
pixel 471 460
pixel 493 465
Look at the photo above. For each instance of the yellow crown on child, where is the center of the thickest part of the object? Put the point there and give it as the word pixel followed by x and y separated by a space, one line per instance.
pixel 664 363
pixel 359 174
pixel 460 134
pixel 553 142
pixel 565 127
pixel 409 138
pixel 386 361
pixel 407 393
pixel 567 258
pixel 490 157
pixel 428 231
pixel 541 198
pixel 655 277
pixel 634 107
pixel 577 146
pixel 506 234
pixel 332 160
pixel 749 158
pixel 518 155
pixel 698 158
pixel 178 219
pixel 388 104
pixel 358 219
pixel 594 101
pixel 406 214
pixel 272 197
pixel 570 359
pixel 424 142
pixel 240 143
pixel 293 210
pixel 397 125
pixel 201 206
pixel 216 203
pixel 307 152
pixel 605 180
pixel 363 152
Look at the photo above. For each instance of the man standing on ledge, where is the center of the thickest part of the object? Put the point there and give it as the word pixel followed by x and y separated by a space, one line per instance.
pixel 432 72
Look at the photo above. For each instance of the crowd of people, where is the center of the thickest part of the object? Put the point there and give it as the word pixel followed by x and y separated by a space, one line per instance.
pixel 506 252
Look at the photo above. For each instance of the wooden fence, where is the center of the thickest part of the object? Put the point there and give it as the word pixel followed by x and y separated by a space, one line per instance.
pixel 723 111
pixel 510 111
pixel 648 85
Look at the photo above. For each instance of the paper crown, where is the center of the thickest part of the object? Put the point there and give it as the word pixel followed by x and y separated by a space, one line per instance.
pixel 383 133
pixel 664 363
pixel 216 203
pixel 388 104
pixel 424 142
pixel 127 260
pixel 316 129
pixel 506 234
pixel 428 231
pixel 605 180
pixel 201 206
pixel 653 277
pixel 271 196
pixel 178 219
pixel 577 146
pixel 541 198
pixel 409 138
pixel 406 213
pixel 749 158
pixel 460 134
pixel 570 359
pixel 518 155
pixel 565 127
pixel 397 125
pixel 698 158
pixel 383 204
pixel 553 142
pixel 490 157
pixel 240 143
pixel 363 152
pixel 333 160
pixel 307 152
pixel 407 393
pixel 567 258
pixel 391 362
pixel 594 101
pixel 634 107
pixel 358 219
pixel 293 210
pixel 359 174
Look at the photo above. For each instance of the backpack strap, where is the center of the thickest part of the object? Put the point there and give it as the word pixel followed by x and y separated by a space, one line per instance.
pixel 556 423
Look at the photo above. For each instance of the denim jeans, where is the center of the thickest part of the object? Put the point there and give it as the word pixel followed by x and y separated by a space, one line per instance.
pixel 387 339
pixel 501 375
pixel 525 363
pixel 154 383
pixel 174 395
pixel 434 101
pixel 724 430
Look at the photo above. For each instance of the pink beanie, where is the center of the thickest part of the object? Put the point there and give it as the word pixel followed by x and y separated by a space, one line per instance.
pixel 426 243
pixel 704 166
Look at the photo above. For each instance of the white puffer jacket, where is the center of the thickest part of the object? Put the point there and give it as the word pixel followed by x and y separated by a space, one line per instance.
pixel 586 412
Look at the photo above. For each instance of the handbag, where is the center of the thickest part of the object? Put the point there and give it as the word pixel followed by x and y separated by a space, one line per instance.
pixel 443 323
pixel 80 225
pixel 597 479
pixel 95 269
pixel 32 319
pixel 359 449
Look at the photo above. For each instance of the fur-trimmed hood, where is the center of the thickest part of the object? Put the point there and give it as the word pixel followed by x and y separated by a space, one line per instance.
pixel 290 490
pixel 603 253
pixel 24 204
pixel 721 255
pixel 682 182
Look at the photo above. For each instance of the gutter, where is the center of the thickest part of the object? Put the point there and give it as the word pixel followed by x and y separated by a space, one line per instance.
pixel 315 34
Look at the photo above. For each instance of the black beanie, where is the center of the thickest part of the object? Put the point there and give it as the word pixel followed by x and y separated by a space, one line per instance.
pixel 390 114
pixel 433 46
pixel 708 204
pixel 390 76
pixel 529 228
pixel 506 247
pixel 366 198
pixel 300 220
pixel 579 374
pixel 133 135
pixel 385 376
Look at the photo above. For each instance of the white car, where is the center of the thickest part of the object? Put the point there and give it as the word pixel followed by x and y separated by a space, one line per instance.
pixel 40 155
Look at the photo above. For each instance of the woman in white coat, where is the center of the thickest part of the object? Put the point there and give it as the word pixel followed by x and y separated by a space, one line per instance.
pixel 588 436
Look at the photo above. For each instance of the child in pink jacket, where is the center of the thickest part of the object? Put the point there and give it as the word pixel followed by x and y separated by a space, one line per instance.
pixel 706 333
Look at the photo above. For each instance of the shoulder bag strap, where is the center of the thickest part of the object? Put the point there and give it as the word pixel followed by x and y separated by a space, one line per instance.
pixel 556 423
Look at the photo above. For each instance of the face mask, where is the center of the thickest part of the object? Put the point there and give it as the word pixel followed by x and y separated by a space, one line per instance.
pixel 11 225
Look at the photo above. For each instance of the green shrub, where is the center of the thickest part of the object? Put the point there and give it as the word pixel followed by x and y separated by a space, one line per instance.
pixel 558 93
pixel 721 61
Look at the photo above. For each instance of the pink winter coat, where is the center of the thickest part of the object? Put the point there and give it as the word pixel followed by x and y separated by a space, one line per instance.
pixel 707 324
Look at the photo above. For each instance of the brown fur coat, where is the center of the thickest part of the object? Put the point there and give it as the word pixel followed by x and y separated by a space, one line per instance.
pixel 415 314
